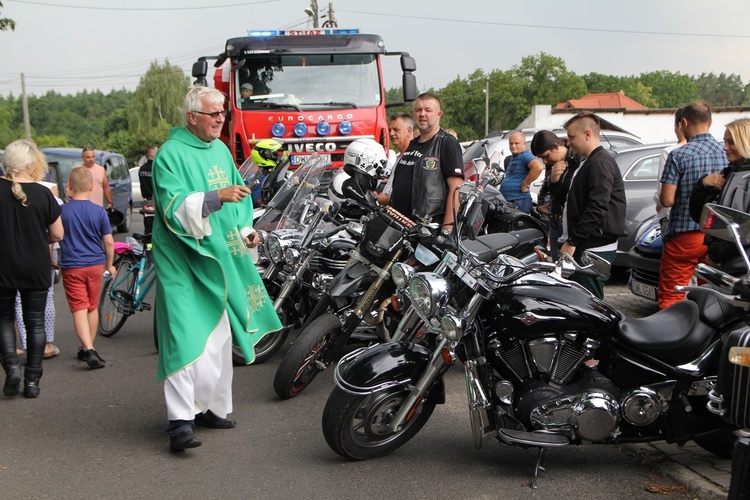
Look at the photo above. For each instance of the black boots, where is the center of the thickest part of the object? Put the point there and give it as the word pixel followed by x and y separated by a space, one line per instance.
pixel 31 382
pixel 12 375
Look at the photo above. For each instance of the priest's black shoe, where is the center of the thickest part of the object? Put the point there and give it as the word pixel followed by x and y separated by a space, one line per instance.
pixel 183 440
pixel 213 421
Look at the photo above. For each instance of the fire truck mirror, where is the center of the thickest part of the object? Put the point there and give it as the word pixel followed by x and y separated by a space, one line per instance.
pixel 408 64
pixel 409 85
pixel 200 69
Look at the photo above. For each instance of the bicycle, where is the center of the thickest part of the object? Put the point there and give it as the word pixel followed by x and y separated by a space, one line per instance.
pixel 123 294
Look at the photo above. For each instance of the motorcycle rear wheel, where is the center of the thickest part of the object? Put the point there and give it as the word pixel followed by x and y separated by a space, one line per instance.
pixel 356 428
pixel 299 367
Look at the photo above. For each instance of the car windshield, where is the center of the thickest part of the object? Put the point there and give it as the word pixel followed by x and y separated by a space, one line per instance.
pixel 310 81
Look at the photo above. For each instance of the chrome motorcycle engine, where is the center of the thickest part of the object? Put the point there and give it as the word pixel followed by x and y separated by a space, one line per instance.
pixel 590 416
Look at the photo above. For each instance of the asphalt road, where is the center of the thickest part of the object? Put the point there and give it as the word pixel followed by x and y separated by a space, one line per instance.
pixel 101 434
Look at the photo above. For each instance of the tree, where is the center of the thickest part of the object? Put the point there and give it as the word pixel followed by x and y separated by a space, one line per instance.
pixel 630 85
pixel 671 90
pixel 544 79
pixel 5 23
pixel 723 90
pixel 158 99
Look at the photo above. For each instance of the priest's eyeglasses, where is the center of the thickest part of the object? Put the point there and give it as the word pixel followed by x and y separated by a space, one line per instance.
pixel 213 115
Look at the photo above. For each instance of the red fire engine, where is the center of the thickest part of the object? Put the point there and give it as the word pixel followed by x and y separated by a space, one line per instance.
pixel 313 90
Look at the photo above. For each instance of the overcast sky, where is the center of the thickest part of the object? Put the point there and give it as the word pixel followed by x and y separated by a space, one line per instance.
pixel 71 45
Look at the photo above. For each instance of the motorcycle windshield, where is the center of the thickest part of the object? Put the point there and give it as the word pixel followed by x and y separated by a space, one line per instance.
pixel 294 197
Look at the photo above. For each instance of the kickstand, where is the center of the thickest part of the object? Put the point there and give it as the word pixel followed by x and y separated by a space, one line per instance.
pixel 538 467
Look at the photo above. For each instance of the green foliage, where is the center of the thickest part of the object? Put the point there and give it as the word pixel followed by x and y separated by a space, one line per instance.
pixel 720 91
pixel 158 98
pixel 6 23
pixel 671 90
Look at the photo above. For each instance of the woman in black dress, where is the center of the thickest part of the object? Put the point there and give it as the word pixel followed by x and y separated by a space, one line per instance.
pixel 29 222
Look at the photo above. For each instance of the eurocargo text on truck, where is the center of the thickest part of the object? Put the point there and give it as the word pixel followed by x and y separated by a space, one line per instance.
pixel 313 90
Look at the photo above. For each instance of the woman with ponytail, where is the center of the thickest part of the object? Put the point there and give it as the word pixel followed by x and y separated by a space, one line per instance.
pixel 29 222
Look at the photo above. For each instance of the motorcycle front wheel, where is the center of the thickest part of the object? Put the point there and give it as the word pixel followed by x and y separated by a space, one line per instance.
pixel 356 427
pixel 300 366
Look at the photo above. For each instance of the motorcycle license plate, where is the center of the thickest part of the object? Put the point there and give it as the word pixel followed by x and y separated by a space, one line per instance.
pixel 300 159
pixel 643 290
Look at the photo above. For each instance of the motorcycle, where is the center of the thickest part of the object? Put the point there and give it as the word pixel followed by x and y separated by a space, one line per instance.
pixel 358 304
pixel 731 397
pixel 297 256
pixel 527 337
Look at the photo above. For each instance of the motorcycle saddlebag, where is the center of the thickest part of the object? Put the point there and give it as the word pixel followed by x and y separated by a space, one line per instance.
pixel 734 380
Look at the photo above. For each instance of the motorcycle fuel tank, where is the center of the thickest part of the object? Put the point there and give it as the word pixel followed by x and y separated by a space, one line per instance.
pixel 540 309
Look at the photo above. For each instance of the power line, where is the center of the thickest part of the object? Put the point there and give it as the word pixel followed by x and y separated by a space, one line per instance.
pixel 541 26
pixel 143 9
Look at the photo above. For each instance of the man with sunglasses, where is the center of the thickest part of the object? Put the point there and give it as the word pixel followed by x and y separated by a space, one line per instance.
pixel 595 206
pixel 209 295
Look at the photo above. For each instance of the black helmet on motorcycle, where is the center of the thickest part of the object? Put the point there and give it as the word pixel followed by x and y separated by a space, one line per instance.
pixel 267 153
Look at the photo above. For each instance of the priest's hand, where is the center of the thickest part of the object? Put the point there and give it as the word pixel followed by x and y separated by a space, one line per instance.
pixel 233 194
pixel 252 240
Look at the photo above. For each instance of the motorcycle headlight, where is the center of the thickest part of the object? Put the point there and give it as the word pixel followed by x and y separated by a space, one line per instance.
pixel 428 292
pixel 402 274
pixel 452 327
pixel 274 248
pixel 291 255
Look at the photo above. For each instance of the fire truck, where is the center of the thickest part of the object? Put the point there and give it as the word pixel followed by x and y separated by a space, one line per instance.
pixel 313 90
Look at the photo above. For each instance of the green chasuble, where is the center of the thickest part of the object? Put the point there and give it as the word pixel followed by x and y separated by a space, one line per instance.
pixel 198 278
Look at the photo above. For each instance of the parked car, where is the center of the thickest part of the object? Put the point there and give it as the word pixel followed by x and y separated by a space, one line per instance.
pixel 135 183
pixel 644 259
pixel 117 172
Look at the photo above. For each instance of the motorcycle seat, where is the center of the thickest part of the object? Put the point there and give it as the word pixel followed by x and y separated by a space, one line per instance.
pixel 674 335
pixel 488 246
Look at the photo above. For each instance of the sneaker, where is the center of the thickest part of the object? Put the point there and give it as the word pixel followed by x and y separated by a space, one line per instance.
pixel 81 355
pixel 93 360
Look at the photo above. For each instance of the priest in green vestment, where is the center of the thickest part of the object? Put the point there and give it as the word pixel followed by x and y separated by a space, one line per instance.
pixel 208 293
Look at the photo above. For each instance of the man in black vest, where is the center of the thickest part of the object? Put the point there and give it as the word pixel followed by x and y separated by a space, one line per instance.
pixel 429 171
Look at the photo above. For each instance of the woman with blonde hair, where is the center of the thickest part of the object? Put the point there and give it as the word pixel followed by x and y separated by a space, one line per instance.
pixel 29 222
pixel 39 173
pixel 731 188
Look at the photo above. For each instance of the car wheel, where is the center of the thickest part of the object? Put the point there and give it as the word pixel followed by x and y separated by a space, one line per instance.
pixel 125 226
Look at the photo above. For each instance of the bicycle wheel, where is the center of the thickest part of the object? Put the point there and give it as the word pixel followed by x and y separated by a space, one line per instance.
pixel 116 305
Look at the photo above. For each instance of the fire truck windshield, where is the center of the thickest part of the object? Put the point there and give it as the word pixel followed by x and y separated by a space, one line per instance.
pixel 318 81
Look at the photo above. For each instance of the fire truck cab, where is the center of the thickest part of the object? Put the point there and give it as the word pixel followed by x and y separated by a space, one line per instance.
pixel 313 90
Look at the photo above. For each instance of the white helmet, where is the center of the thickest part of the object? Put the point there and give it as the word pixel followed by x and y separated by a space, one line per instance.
pixel 336 187
pixel 366 154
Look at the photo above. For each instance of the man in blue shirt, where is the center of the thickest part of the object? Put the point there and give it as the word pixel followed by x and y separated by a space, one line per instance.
pixel 683 241
pixel 522 170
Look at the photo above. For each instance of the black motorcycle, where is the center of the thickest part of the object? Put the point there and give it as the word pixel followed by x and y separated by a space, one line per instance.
pixel 528 338
pixel 731 397
pixel 358 304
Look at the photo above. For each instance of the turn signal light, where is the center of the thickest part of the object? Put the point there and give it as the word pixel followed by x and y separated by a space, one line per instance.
pixel 447 356
pixel 739 355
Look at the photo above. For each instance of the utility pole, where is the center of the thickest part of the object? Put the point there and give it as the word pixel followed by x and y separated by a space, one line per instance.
pixel 487 107
pixel 314 9
pixel 331 21
pixel 25 106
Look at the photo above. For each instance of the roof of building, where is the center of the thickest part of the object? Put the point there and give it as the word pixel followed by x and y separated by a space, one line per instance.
pixel 609 100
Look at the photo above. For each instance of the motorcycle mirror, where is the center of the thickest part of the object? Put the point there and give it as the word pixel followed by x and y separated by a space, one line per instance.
pixel 727 224
pixel 596 263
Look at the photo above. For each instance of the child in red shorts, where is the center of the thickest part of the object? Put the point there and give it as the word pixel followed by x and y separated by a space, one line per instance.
pixel 86 251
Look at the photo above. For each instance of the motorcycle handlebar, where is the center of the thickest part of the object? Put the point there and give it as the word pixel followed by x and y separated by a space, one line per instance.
pixel 716 277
